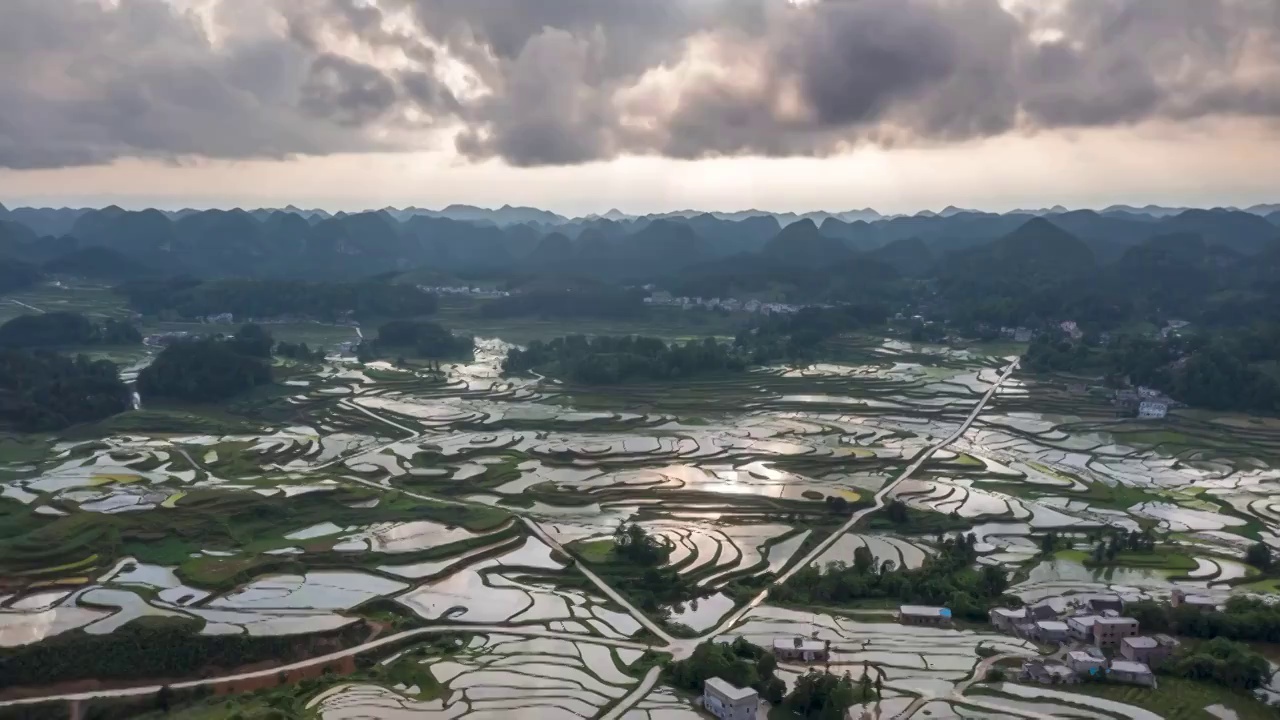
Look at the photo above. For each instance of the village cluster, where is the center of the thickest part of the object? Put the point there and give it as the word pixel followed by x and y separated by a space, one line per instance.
pixel 1095 641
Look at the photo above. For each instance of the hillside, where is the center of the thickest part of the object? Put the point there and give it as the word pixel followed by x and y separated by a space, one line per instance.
pixel 98 263
pixel 910 257
pixel 803 244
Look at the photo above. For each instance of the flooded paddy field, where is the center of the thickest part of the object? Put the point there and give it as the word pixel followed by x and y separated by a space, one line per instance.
pixel 482 503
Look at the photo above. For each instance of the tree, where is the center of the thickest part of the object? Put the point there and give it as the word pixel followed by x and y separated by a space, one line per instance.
pixel 766 665
pixel 1259 556
pixel 164 698
pixel 863 559
pixel 1099 552
pixel 252 340
pixel 775 691
pixel 995 581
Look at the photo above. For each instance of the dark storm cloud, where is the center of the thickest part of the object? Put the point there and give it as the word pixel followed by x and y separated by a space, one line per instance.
pixel 346 91
pixel 570 81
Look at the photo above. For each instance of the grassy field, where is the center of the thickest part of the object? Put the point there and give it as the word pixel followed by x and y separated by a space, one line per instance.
pixel 92 300
pixel 597 551
pixel 1179 699
pixel 666 323
pixel 1270 585
pixel 316 335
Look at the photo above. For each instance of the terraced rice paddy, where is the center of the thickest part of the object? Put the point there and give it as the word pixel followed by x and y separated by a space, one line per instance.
pixel 460 501
pixel 494 676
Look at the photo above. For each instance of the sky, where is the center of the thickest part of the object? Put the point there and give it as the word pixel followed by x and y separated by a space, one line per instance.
pixel 580 106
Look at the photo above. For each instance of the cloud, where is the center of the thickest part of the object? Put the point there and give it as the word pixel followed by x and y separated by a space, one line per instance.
pixel 347 92
pixel 691 78
pixel 87 83
pixel 571 81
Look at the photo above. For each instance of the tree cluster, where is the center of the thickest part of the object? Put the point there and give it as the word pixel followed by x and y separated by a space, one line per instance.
pixel 796 337
pixel 633 544
pixel 739 663
pixel 65 329
pixel 210 369
pixel 638 564
pixel 1242 619
pixel 1223 662
pixel 1106 550
pixel 424 339
pixel 947 578
pixel 609 360
pixel 42 391
pixel 253 341
pixel 1226 369
pixel 819 695
pixel 329 301
pixel 298 351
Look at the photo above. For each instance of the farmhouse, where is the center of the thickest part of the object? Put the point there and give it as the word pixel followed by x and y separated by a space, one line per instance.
pixel 1006 619
pixel 798 648
pixel 1134 673
pixel 924 615
pixel 1108 632
pixel 728 702
pixel 1149 650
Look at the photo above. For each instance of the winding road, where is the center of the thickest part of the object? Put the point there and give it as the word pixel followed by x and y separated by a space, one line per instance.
pixel 678 648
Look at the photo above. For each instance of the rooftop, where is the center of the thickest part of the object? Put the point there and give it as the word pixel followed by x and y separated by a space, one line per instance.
pixel 1010 612
pixel 1125 666
pixel 1082 656
pixel 722 687
pixel 798 643
pixel 1085 620
pixel 925 610
pixel 1141 642
pixel 1052 625
pixel 1049 668
pixel 1117 621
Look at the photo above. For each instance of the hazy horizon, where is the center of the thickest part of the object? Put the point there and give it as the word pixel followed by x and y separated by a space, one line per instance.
pixel 134 204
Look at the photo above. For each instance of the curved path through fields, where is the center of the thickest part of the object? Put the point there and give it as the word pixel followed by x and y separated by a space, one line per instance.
pixel 333 657
pixel 679 648
pixel 881 498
